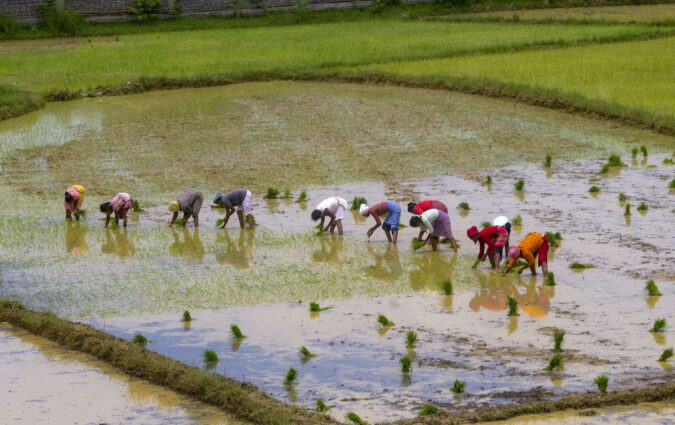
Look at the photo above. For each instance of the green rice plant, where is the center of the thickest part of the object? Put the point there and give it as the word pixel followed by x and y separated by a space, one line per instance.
pixel 594 189
pixel 488 180
pixel 671 185
pixel 458 386
pixel 287 193
pixel 666 355
pixel 643 206
pixel 315 307
pixel 634 152
pixel 411 339
pixel 668 161
pixel 355 419
pixel 547 162
pixel 601 381
pixel 605 169
pixel 643 149
pixel 358 201
pixel 556 363
pixel 272 193
pixel 558 337
pixel 210 356
pixel 114 226
pixel 558 236
pixel 136 206
pixel 519 185
pixel 186 317
pixel 578 265
pixel 622 197
pixel 464 206
pixel 406 364
pixel 306 353
pixel 82 213
pixel 320 406
pixel 446 286
pixel 517 220
pixel 550 279
pixel 236 333
pixel 486 224
pixel 615 161
pixel 416 244
pixel 179 222
pixel 428 410
pixel 652 289
pixel 220 222
pixel 291 377
pixel 552 240
pixel 140 340
pixel 626 209
pixel 303 196
pixel 512 305
pixel 659 325
pixel 382 320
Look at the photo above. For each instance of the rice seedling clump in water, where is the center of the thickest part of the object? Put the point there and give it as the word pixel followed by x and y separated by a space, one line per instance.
pixel 517 220
pixel 186 316
pixel 643 206
pixel 136 206
pixel 320 406
pixel 643 149
pixel 672 184
pixel 236 332
pixel 486 224
pixel 548 161
pixel 287 193
pixel 626 209
pixel 315 307
pixel 303 196
pixel 463 206
pixel 578 265
pixel 358 201
pixel 272 193
pixel 601 381
pixel 652 289
pixel 140 340
pixel 552 239
pixel 291 377
pixel 659 325
pixel 488 180
pixel 556 363
pixel 519 185
pixel 210 356
pixel 666 355
pixel 634 152
pixel 428 410
pixel 558 337
pixel 615 161
pixel 668 161
pixel 410 339
pixel 512 305
pixel 406 364
pixel 306 353
pixel 355 419
pixel 382 320
pixel 447 287
pixel 622 197
pixel 82 213
pixel 605 169
pixel 550 279
pixel 594 189
pixel 458 386
pixel 416 244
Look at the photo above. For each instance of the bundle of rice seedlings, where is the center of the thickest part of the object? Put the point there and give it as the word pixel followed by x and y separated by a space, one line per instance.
pixel 355 419
pixel 671 185
pixel 605 169
pixel 411 339
pixel 488 180
pixel 556 363
pixel 446 286
pixel 358 201
pixel 594 189
pixel 210 356
pixel 320 406
pixel 458 386
pixel 512 305
pixel 558 337
pixel 303 196
pixel 601 381
pixel 220 222
pixel 643 149
pixel 643 206
pixel 519 185
pixel 428 410
pixel 287 193
pixel 547 162
pixel 517 220
pixel 634 152
pixel 552 240
pixel 136 207
pixel 659 325
pixel 272 193
pixel 668 161
pixel 306 353
pixel 291 377
pixel 140 340
pixel 186 316
pixel 315 307
pixel 578 265
pixel 236 332
pixel 615 161
pixel 666 355
pixel 486 224
pixel 550 279
pixel 626 209
pixel 416 244
pixel 622 197
pixel 382 320
pixel 464 206
pixel 652 289
pixel 406 364
pixel 82 213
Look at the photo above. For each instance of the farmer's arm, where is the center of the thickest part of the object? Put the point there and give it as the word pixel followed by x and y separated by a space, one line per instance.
pixel 228 214
pixel 107 220
pixel 378 223
pixel 173 218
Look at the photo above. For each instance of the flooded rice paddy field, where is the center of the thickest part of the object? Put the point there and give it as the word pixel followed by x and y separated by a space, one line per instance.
pixel 141 279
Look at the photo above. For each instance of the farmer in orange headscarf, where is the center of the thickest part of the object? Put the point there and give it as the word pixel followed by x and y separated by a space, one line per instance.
pixel 535 244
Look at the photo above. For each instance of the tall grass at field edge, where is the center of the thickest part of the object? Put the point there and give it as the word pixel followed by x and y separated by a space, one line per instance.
pixel 15 102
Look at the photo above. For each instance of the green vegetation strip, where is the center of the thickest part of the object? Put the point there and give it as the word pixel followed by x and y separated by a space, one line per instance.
pixel 240 399
pixel 15 102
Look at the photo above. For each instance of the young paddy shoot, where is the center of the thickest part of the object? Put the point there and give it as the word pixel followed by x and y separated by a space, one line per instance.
pixel 406 364
pixel 303 196
pixel 355 419
pixel 416 244
pixel 601 381
pixel 320 406
pixel 671 185
pixel 210 356
pixel 556 363
pixel 519 185
pixel 643 206
pixel 578 265
pixel 644 151
pixel 428 410
pixel 485 224
pixel 517 220
pixel 634 152
pixel 306 353
pixel 626 209
pixel 458 386
pixel 666 355
pixel 287 193
pixel 464 206
pixel 488 180
pixel 314 307
pixel 550 279
pixel 139 339
pixel 272 193
pixel 411 339
pixel 358 201
pixel 547 162
pixel 622 197
pixel 512 305
pixel 446 286
pixel 659 325
pixel 186 317
pixel 382 320
pixel 291 377
pixel 594 189
pixel 558 337
pixel 652 289
pixel 236 333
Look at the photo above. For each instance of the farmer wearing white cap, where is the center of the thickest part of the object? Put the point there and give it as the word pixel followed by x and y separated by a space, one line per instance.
pixel 241 199
pixel 390 226
pixel 503 221
pixel 333 207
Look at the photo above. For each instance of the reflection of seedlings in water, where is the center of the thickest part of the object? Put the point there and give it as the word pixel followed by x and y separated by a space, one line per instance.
pixel 643 207
pixel 291 377
pixel 315 307
pixel 550 279
pixel 306 353
pixel 666 355
pixel 652 289
pixel 548 161
pixel 486 224
pixel 236 332
pixel 210 356
pixel 447 287
pixel 594 189
pixel 382 320
pixel 578 265
pixel 464 206
pixel 458 387
pixel 556 363
pixel 136 206
pixel 659 325
pixel 622 197
pixel 140 340
pixel 428 410
pixel 517 220
pixel 303 196
pixel 411 339
pixel 519 185
pixel 186 316
pixel 320 406
pixel 355 419
pixel 643 149
pixel 512 304
pixel 406 364
pixel 558 337
pixel 634 152
pixel 287 193
pixel 626 209
pixel 358 201
pixel 601 381
pixel 272 193
pixel 488 180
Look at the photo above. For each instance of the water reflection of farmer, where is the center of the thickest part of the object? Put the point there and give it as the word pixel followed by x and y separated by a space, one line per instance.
pixel 431 270
pixel 191 249
pixel 387 265
pixel 331 251
pixel 76 242
pixel 238 255
pixel 493 297
pixel 535 301
pixel 119 245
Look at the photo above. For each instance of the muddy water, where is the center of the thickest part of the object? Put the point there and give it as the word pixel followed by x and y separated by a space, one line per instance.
pixel 43 383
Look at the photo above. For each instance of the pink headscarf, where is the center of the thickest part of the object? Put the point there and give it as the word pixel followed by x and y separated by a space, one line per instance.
pixel 514 252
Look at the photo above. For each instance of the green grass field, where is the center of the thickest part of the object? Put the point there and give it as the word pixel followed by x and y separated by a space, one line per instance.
pixel 653 13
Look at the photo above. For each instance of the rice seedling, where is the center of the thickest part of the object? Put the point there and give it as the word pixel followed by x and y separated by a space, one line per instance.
pixel 315 307
pixel 626 209
pixel 210 356
pixel 547 162
pixel 458 386
pixel 659 325
pixel 558 236
pixel 382 320
pixel 220 222
pixel 464 206
pixel 666 355
pixel 411 339
pixel 594 189
pixel 517 220
pixel 114 226
pixel 355 419
pixel 622 197
pixel 519 185
pixel 615 161
pixel 303 196
pixel 671 185
pixel 634 152
pixel 643 206
pixel 82 213
pixel 272 193
pixel 558 337
pixel 512 305
pixel 428 410
pixel 446 286
pixel 556 363
pixel 236 333
pixel 601 381
pixel 287 193
pixel 550 279
pixel 140 340
pixel 306 353
pixel 406 364
pixel 486 224
pixel 652 289
pixel 605 169
pixel 320 406
pixel 488 180
pixel 475 263
pixel 136 206
pixel 186 317
pixel 179 222
pixel 552 240
pixel 578 265
pixel 668 161
pixel 416 244
pixel 643 149
pixel 358 201
pixel 291 377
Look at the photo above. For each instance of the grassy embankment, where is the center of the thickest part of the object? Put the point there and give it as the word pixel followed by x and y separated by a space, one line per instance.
pixel 15 102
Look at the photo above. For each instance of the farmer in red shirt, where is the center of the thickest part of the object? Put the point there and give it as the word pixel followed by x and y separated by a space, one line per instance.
pixel 420 207
pixel 495 237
